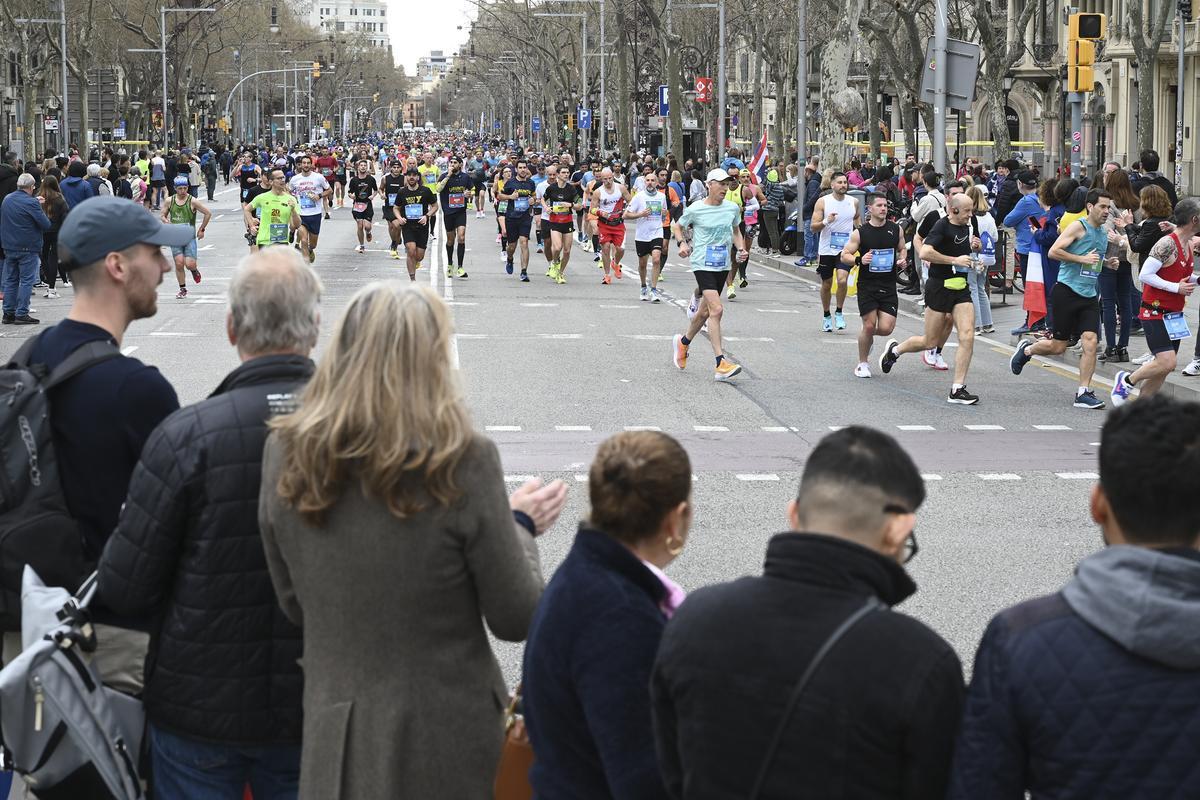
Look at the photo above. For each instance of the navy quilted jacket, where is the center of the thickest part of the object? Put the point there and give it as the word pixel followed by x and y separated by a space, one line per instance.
pixel 1093 692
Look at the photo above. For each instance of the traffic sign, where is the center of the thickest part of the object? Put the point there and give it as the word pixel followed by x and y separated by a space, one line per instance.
pixel 1074 148
pixel 664 105
pixel 585 118
pixel 119 130
pixel 496 125
pixel 704 89
pixel 1076 136
pixel 535 124
pixel 50 122
pixel 962 68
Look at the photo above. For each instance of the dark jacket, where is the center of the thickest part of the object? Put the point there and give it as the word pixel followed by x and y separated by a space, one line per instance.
pixel 812 191
pixel 76 190
pixel 1007 196
pixel 223 659
pixel 8 179
pixel 879 716
pixel 587 675
pixel 1146 235
pixel 1156 179
pixel 1093 692
pixel 22 223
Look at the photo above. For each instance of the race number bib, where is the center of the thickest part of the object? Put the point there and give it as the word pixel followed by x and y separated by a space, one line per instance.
pixel 326 171
pixel 655 207
pixel 279 232
pixel 560 208
pixel 1177 326
pixel 360 207
pixel 391 198
pixel 307 201
pixel 521 204
pixel 502 206
pixel 244 193
pixel 716 256
pixel 882 260
pixel 414 211
pixel 1090 272
pixel 457 200
pixel 838 239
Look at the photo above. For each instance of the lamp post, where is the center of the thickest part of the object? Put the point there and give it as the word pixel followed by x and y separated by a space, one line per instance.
pixel 163 11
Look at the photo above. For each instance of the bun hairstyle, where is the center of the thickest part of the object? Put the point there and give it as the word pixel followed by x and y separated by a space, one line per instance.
pixel 635 479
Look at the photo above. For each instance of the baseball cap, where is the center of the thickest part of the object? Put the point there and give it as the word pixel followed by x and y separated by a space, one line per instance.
pixel 102 225
pixel 180 180
pixel 413 171
pixel 1027 178
pixel 717 174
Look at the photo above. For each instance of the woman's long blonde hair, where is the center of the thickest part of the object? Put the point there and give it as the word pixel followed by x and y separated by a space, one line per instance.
pixel 383 408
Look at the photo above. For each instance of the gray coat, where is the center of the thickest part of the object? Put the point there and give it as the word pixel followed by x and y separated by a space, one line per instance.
pixel 403 697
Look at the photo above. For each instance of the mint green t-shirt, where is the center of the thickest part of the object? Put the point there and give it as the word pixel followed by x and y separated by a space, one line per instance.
pixel 712 234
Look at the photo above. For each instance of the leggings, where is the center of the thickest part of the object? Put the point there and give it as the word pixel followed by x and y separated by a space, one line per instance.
pixel 50 266
pixel 1115 298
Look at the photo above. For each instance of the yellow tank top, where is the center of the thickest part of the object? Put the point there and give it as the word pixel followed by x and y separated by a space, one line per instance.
pixel 735 196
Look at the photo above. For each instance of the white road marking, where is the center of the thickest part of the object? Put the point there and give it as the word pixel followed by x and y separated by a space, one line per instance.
pixel 929 476
pixel 775 428
pixel 503 428
pixel 758 476
pixel 539 305
pixel 517 478
pixel 709 428
pixel 560 335
pixel 128 350
pixel 1094 444
pixel 984 427
pixel 642 428
pixel 207 247
pixel 581 478
pixel 778 310
pixel 648 337
pixel 998 476
pixel 836 428
pixel 1078 476
pixel 171 333
pixel 572 427
pixel 209 301
pixel 744 338
pixel 460 303
pixel 618 306
pixel 915 427
pixel 1052 427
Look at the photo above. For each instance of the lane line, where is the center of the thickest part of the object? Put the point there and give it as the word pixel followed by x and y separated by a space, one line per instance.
pixel 580 478
pixel 642 428
pixel 502 427
pixel 517 478
pixel 758 476
pixel 128 350
pixel 709 428
pixel 778 310
pixel 775 428
pixel 572 427
pixel 539 305
pixel 984 427
pixel 171 333
pixel 560 335
pixel 929 476
pixel 998 476
pixel 1052 427
pixel 915 427
pixel 1078 476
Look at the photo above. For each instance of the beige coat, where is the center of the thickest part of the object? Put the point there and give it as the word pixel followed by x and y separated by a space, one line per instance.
pixel 403 697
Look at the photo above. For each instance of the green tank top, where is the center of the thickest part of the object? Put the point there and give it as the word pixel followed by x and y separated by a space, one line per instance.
pixel 182 214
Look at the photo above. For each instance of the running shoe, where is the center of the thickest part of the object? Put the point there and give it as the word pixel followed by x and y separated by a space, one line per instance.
pixel 800 262
pixel 839 321
pixel 182 293
pixel 655 295
pixel 862 371
pixel 1191 370
pixel 1121 389
pixel 195 275
pixel 508 267
pixel 53 295
pixel 1088 399
pixel 933 359
pixel 1144 359
pixel 679 351
pixel 1020 358
pixel 827 324
pixel 462 273
pixel 550 270
pixel 524 276
pixel 726 370
pixel 1020 330
pixel 989 328
pixel 743 284
pixel 732 293
pixel 645 295
pixel 693 306
pixel 597 258
pixel 326 215
pixel 449 271
pixel 888 358
pixel 962 397
pixel 360 249
pixel 617 271
pixel 606 280
pixel 392 252
pixel 539 248
pixel 560 278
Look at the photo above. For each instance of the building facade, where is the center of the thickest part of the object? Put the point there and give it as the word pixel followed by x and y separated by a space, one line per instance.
pixel 365 18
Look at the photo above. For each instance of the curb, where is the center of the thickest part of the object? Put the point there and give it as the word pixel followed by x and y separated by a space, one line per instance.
pixel 1177 385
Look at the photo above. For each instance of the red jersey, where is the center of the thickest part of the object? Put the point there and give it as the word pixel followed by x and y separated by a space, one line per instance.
pixel 1155 301
pixel 326 166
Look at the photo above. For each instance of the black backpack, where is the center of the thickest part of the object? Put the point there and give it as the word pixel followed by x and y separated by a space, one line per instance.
pixel 35 526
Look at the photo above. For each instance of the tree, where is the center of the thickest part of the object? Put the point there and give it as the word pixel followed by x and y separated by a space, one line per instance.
pixel 1003 46
pixel 835 67
pixel 27 44
pixel 1146 42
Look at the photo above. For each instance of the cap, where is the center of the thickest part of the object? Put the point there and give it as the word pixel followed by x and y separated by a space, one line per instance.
pixel 102 225
pixel 717 175
pixel 1027 178
pixel 180 180
pixel 413 171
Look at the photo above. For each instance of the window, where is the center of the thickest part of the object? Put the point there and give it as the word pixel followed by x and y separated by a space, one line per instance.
pixel 383 12
pixel 368 12
pixel 341 26
pixel 354 12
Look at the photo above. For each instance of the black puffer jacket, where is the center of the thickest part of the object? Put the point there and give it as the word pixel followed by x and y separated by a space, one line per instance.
pixel 223 662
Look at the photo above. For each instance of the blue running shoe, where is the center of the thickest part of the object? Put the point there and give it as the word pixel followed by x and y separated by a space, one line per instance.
pixel 827 325
pixel 1021 357
pixel 1088 399
pixel 508 267
pixel 839 321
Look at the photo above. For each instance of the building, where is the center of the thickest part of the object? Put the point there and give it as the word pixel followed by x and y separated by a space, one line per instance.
pixel 414 111
pixel 433 67
pixel 366 18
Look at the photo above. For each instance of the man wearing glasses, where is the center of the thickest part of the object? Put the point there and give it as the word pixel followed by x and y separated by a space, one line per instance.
pixel 951 249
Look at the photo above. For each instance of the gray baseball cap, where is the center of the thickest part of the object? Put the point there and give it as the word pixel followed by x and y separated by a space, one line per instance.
pixel 102 225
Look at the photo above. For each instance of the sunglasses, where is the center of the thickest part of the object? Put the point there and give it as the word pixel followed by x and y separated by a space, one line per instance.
pixel 910 544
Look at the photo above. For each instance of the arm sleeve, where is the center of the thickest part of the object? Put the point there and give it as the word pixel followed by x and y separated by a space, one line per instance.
pixel 1149 275
pixel 990 758
pixel 502 556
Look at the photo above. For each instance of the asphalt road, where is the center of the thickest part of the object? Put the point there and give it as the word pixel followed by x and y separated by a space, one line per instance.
pixel 550 371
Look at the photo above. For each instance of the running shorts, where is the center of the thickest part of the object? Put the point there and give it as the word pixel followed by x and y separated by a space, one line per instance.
pixel 611 234
pixel 1156 335
pixel 648 248
pixel 827 265
pixel 713 280
pixel 518 227
pixel 312 222
pixel 877 298
pixel 943 300
pixel 562 227
pixel 457 219
pixel 1074 314
pixel 415 234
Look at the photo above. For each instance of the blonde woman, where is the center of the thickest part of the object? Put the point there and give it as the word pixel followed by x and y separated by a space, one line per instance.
pixel 390 542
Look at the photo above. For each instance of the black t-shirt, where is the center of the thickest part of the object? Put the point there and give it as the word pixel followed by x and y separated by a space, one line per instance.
pixel 928 222
pixel 247 176
pixel 100 419
pixel 254 191
pixel 454 193
pixel 363 189
pixel 556 194
pixel 884 238
pixel 393 185
pixel 414 204
pixel 949 240
pixel 525 191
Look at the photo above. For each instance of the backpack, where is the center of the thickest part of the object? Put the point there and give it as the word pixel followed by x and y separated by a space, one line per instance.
pixel 35 526
pixel 62 730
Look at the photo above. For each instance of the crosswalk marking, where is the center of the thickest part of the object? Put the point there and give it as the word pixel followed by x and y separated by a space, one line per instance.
pixel 503 427
pixel 758 476
pixel 998 476
pixel 984 427
pixel 915 427
pixel 1078 476
pixel 1052 427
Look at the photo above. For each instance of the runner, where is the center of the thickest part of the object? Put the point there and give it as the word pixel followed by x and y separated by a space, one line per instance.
pixel 362 189
pixel 563 200
pixel 503 175
pixel 263 186
pixel 649 208
pixel 158 180
pixel 272 216
pixel 950 250
pixel 310 190
pixel 608 207
pixel 674 209
pixel 752 198
pixel 429 179
pixel 932 357
pixel 416 205
pixel 389 190
pixel 541 215
pixel 182 210
pixel 1079 251
pixel 881 244
pixel 835 216
pixel 249 175
pixel 1167 281
pixel 714 224
pixel 339 177
pixel 326 164
pixel 518 218
pixel 454 190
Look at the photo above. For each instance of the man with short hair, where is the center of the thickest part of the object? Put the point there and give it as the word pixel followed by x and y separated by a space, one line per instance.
pixel 519 193
pixel 416 206
pixel 311 191
pixel 22 225
pixel 183 209
pixel 877 249
pixel 1007 194
pixel 1019 220
pixel 226 686
pixel 1094 691
pixel 835 216
pixel 1150 176
pixel 877 717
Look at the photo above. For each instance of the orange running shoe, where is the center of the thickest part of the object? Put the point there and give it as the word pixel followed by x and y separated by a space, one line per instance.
pixel 679 351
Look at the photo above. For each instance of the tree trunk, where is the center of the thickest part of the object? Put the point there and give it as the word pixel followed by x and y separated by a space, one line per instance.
pixel 835 67
pixel 1145 119
pixel 993 90
pixel 873 110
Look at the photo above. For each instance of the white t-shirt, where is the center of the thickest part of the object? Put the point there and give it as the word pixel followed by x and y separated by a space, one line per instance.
pixel 308 192
pixel 158 169
pixel 540 195
pixel 649 227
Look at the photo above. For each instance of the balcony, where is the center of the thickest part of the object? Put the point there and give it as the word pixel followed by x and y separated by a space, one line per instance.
pixel 1045 55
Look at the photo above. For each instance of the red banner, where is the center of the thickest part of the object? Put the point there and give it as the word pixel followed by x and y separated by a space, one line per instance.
pixel 704 90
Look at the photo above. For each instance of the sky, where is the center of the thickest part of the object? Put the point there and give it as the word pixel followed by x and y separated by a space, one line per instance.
pixel 418 26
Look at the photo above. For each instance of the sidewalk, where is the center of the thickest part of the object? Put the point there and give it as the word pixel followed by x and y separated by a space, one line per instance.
pixel 1007 317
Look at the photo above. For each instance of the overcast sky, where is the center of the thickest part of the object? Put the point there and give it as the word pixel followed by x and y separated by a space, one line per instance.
pixel 418 26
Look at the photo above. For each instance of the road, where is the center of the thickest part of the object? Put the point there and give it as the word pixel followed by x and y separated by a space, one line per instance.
pixel 549 371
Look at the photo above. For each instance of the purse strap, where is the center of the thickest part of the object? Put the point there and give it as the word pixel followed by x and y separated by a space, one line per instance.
pixel 872 604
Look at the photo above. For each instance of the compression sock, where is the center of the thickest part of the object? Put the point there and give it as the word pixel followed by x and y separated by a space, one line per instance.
pixel 449 254
pixel 596 243
pixel 462 251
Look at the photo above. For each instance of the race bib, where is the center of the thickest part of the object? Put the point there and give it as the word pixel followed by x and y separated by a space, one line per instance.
pixel 716 255
pixel 521 204
pixel 279 232
pixel 326 171
pixel 502 206
pixel 1177 326
pixel 655 208
pixel 307 201
pixel 360 207
pixel 457 201
pixel 414 211
pixel 244 193
pixel 560 208
pixel 1090 272
pixel 838 239
pixel 391 198
pixel 882 260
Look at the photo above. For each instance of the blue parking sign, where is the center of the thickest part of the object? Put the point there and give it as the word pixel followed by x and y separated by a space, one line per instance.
pixel 664 105
pixel 585 118
pixel 536 124
pixel 497 125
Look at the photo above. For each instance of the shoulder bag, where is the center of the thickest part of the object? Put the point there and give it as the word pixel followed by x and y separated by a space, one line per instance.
pixel 516 758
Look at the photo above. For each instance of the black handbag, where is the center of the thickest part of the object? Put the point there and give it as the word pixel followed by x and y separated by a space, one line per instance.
pixel 872 604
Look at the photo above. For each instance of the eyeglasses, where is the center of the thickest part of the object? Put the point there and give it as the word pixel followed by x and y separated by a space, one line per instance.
pixel 910 544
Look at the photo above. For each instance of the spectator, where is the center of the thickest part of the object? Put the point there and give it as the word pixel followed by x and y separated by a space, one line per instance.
pixel 776 194
pixel 1150 176
pixel 10 168
pixel 75 189
pixel 854 175
pixel 977 280
pixel 597 628
pixel 1117 308
pixel 226 685
pixel 22 225
pixel 1006 191
pixel 878 718
pixel 1095 691
pixel 1018 217
pixel 933 200
pixel 378 499
pixel 96 180
pixel 112 250
pixel 56 210
pixel 812 191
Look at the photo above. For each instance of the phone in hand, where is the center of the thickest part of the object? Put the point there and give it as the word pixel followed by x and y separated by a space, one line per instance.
pixel 1034 222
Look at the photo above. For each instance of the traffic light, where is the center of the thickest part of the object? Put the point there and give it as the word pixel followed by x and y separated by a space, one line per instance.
pixel 570 121
pixel 375 97
pixel 316 69
pixel 1087 26
pixel 1084 30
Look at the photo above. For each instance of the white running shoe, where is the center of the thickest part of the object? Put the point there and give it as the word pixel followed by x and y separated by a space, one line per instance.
pixel 1191 370
pixel 933 359
pixel 862 371
pixel 1145 359
pixel 693 306
pixel 645 294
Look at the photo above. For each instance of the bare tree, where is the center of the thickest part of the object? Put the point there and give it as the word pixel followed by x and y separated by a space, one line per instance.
pixel 1003 44
pixel 1147 37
